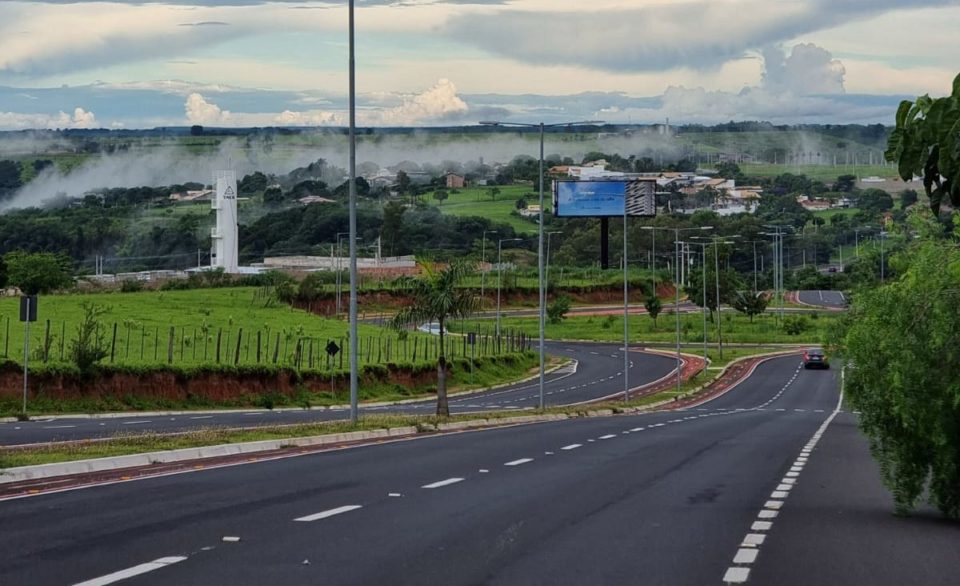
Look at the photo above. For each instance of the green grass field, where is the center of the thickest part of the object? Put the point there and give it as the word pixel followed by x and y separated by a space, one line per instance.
pixel 198 318
pixel 825 173
pixel 736 329
pixel 477 201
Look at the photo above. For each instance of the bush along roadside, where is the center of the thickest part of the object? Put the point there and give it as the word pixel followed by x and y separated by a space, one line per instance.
pixel 62 388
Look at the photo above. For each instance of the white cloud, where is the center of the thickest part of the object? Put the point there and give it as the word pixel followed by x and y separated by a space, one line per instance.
pixel 20 121
pixel 657 36
pixel 200 111
pixel 437 104
pixel 808 70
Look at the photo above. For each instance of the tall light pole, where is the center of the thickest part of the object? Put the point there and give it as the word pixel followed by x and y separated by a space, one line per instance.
pixel 354 371
pixel 716 242
pixel 499 277
pixel 883 235
pixel 543 293
pixel 483 260
pixel 676 308
pixel 703 266
pixel 546 276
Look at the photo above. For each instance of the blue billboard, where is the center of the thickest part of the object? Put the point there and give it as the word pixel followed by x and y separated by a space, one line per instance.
pixel 605 198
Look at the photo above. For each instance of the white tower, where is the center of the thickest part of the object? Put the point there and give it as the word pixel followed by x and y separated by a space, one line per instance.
pixel 224 253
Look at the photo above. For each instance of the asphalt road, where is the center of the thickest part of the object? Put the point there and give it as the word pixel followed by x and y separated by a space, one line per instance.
pixel 831 299
pixel 598 373
pixel 661 498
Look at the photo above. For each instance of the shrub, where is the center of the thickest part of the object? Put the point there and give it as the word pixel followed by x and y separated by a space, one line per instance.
pixel 131 286
pixel 794 325
pixel 557 310
pixel 90 345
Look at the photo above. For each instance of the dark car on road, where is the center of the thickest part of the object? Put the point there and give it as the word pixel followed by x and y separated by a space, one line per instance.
pixel 815 358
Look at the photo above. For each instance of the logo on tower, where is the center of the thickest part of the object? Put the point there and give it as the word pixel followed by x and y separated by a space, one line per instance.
pixel 228 193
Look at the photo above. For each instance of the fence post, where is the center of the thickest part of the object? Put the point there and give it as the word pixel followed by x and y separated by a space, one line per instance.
pixel 276 349
pixel 63 337
pixel 258 346
pixel 46 342
pixel 170 341
pixel 113 340
pixel 236 359
pixel 156 343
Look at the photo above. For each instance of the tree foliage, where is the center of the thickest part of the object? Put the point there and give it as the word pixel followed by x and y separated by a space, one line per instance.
pixel 437 297
pixel 902 343
pixel 750 303
pixel 39 272
pixel 653 306
pixel 926 143
pixel 557 311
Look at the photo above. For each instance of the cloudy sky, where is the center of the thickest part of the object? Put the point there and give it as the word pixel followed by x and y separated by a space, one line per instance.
pixel 140 63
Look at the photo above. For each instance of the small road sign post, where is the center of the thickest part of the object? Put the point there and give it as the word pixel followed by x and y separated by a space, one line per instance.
pixel 332 350
pixel 28 313
pixel 472 340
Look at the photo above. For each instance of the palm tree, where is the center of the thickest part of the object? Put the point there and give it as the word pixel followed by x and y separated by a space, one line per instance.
pixel 436 298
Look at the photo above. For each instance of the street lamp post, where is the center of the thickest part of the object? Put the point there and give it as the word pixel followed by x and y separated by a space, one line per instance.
pixel 883 235
pixel 354 370
pixel 703 266
pixel 717 241
pixel 499 277
pixel 676 307
pixel 542 127
pixel 483 260
pixel 546 276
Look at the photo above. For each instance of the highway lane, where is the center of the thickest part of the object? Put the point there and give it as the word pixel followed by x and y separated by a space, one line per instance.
pixel 598 372
pixel 661 498
pixel 830 299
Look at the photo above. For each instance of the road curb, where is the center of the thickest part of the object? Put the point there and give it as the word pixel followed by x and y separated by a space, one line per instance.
pixel 199 454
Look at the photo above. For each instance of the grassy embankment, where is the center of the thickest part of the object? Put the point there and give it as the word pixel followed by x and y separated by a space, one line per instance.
pixel 180 331
pixel 737 328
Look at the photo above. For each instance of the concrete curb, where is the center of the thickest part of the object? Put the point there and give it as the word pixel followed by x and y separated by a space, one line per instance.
pixel 121 414
pixel 42 471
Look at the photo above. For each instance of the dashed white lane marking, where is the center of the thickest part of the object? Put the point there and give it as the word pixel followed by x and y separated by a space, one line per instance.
pixel 519 462
pixel 750 547
pixel 203 417
pixel 483 471
pixel 328 513
pixel 56 426
pixel 230 539
pixel 746 555
pixel 134 571
pixel 636 429
pixel 736 575
pixel 571 447
pixel 440 483
pixel 136 422
pixel 606 437
pixel 254 413
pixel 394 495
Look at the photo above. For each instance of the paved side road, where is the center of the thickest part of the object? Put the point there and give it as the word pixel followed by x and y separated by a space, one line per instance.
pixel 598 373
pixel 838 525
pixel 827 299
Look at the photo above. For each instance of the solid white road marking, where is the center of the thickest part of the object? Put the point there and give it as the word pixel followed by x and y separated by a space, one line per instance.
pixel 328 513
pixel 736 575
pixel 56 426
pixel 131 572
pixel 519 462
pixel 136 422
pixel 571 447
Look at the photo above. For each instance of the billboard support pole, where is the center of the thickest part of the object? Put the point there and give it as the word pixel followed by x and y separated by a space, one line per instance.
pixel 604 243
pixel 626 314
